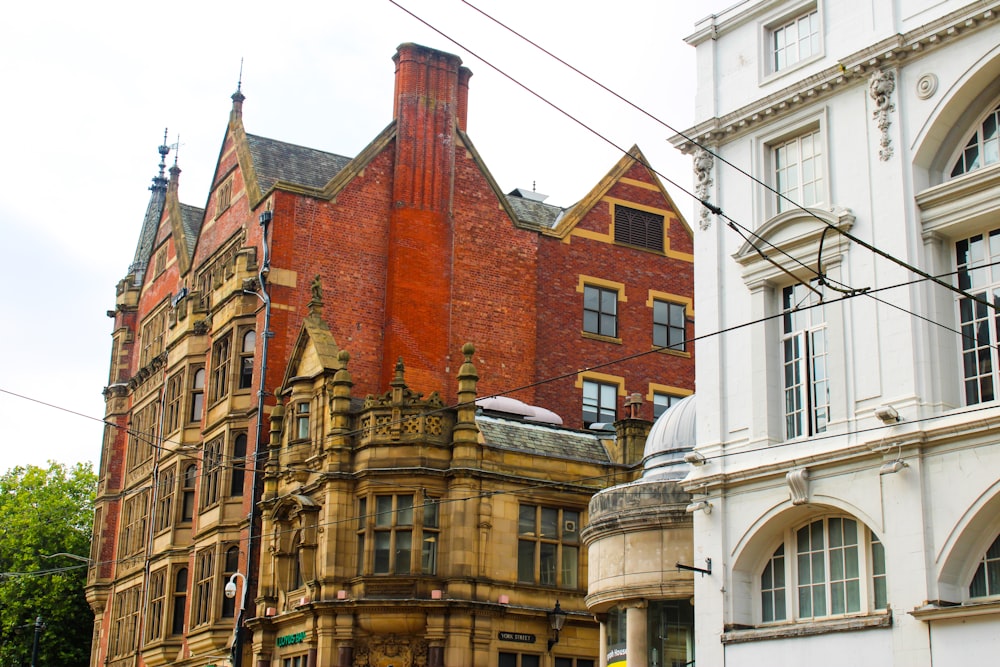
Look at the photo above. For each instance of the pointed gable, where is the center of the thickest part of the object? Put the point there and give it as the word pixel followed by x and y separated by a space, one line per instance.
pixel 185 223
pixel 315 351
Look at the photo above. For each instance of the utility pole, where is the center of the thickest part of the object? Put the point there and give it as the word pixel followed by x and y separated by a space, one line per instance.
pixel 34 643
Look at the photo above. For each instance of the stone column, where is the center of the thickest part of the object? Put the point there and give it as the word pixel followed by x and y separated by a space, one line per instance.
pixel 635 633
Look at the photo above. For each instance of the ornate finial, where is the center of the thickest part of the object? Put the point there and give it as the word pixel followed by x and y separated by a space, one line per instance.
pixel 160 181
pixel 468 350
pixel 316 302
pixel 881 86
pixel 703 163
pixel 397 380
pixel 238 96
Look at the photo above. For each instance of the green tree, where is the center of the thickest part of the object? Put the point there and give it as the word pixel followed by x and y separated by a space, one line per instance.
pixel 45 511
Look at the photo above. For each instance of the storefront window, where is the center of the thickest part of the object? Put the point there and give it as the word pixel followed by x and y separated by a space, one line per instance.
pixel 670 628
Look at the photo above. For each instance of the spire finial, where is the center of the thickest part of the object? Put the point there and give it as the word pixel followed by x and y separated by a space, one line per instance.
pixel 160 180
pixel 238 96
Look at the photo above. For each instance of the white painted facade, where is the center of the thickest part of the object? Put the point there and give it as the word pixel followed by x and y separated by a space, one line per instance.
pixel 880 169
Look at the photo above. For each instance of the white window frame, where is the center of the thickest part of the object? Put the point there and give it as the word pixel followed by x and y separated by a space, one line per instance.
pixel 867 574
pixel 807 331
pixel 979 361
pixel 983 147
pixel 814 122
pixel 783 21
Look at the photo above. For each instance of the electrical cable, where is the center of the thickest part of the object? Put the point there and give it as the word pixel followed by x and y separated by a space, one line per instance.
pixel 714 209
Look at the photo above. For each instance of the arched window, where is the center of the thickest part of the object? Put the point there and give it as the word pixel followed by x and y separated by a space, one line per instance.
pixel 179 601
pixel 187 492
pixel 831 566
pixel 986 580
pixel 982 148
pixel 246 359
pixel 197 395
pixel 237 471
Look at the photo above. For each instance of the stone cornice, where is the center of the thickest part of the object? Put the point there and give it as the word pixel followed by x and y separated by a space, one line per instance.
pixel 849 71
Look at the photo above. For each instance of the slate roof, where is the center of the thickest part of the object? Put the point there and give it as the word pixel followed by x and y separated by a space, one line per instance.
pixel 534 213
pixel 150 223
pixel 191 218
pixel 543 439
pixel 279 161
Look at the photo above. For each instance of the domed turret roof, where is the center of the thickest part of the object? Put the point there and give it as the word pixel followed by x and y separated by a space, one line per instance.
pixel 673 435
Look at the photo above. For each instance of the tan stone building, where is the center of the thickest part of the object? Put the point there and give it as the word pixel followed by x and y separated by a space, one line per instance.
pixel 400 531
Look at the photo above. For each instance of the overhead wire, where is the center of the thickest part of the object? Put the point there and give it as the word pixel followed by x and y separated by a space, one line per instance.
pixel 713 208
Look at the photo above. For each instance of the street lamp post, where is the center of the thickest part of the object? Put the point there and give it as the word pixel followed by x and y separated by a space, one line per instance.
pixel 557 619
pixel 236 655
pixel 34 643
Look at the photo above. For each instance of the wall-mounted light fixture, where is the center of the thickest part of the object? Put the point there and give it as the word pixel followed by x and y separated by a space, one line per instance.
pixel 887 415
pixel 892 467
pixel 701 505
pixel 557 619
pixel 695 458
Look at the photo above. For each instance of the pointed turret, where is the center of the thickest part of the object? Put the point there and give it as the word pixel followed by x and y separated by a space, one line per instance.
pixel 150 223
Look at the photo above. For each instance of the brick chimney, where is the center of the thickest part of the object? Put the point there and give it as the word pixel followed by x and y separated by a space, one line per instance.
pixel 431 101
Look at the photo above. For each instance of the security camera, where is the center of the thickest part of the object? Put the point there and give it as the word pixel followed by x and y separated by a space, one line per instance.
pixel 231 589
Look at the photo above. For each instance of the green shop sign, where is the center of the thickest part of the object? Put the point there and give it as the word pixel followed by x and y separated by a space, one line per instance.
pixel 288 640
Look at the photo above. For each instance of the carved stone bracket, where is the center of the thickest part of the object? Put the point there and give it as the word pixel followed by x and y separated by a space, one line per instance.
pixel 881 85
pixel 703 163
pixel 798 484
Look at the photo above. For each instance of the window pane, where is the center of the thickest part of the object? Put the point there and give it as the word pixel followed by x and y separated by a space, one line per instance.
pixel 404 510
pixel 507 660
pixel 383 510
pixel 428 554
pixel 382 540
pixel 526 520
pixel 526 561
pixel 404 542
pixel 570 566
pixel 550 522
pixel 529 661
pixel 547 564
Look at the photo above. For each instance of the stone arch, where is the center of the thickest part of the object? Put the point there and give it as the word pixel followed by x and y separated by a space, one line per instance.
pixel 763 536
pixel 957 110
pixel 965 545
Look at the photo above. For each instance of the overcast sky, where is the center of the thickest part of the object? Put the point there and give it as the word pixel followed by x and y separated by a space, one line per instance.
pixel 88 89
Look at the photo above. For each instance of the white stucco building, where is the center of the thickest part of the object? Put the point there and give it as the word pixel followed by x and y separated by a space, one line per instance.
pixel 838 533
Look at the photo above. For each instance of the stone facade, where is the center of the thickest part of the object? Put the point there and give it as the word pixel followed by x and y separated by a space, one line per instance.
pixel 847 434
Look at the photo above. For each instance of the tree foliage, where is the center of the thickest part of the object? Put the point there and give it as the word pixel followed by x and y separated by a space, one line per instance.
pixel 45 511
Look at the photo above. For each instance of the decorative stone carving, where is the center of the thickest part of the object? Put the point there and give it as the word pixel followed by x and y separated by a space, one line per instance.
pixel 881 86
pixel 798 484
pixel 927 86
pixel 703 163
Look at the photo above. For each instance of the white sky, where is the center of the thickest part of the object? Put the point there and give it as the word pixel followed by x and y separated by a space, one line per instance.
pixel 88 89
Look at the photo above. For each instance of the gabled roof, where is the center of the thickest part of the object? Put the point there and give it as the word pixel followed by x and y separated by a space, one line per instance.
pixel 543 440
pixel 280 161
pixel 565 224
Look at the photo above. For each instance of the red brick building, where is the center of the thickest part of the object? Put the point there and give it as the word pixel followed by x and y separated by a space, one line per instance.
pixel 406 251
